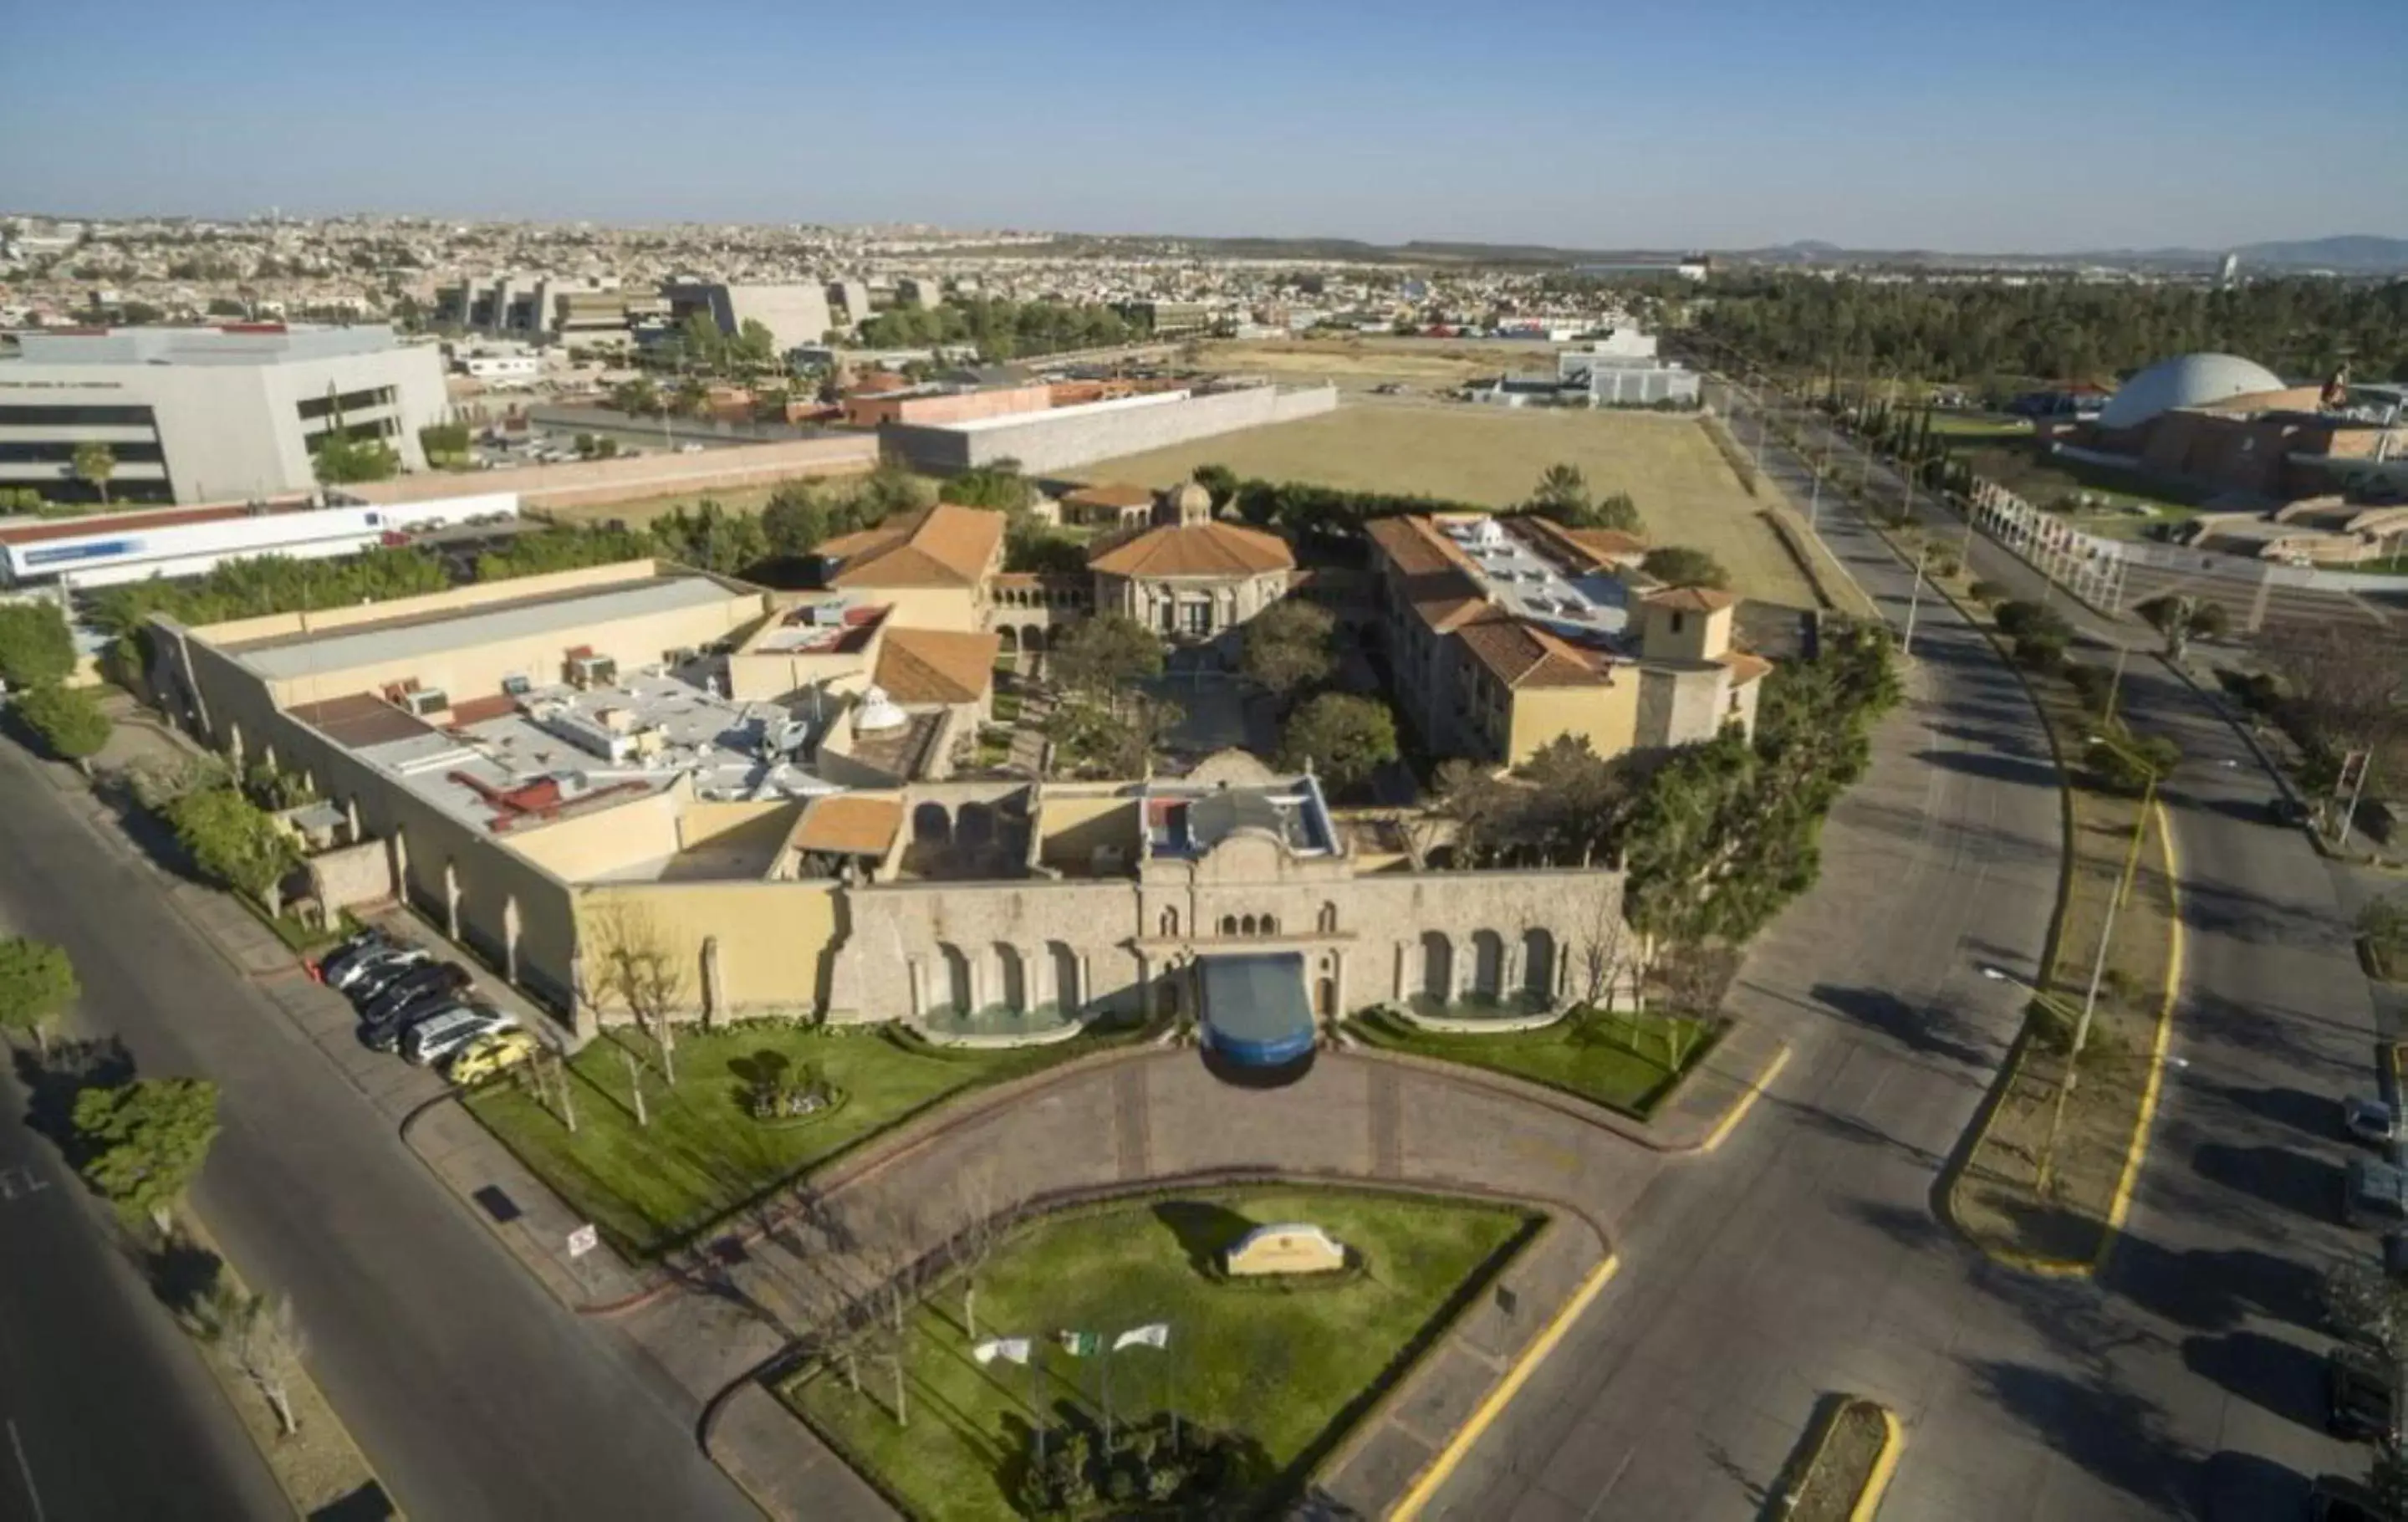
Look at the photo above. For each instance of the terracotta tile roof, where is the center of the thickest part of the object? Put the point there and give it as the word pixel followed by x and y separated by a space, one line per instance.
pixel 1438 582
pixel 1195 549
pixel 1522 654
pixel 936 665
pixel 1745 667
pixel 946 545
pixel 1598 549
pixel 1109 493
pixel 849 824
pixel 1691 600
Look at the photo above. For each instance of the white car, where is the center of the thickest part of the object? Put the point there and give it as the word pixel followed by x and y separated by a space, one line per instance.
pixel 439 1035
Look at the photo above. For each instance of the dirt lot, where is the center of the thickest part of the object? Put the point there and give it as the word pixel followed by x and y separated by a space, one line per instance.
pixel 1493 457
pixel 638 511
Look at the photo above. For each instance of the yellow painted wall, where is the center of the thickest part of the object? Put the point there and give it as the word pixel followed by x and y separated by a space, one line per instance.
pixel 928 606
pixel 1606 717
pixel 1070 828
pixel 283 625
pixel 773 937
pixel 585 846
pixel 1701 635
pixel 772 674
pixel 478 672
pixel 701 822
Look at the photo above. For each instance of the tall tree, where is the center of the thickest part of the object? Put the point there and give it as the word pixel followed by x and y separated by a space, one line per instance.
pixel 1562 493
pixel 261 1336
pixel 69 722
pixel 235 843
pixel 1285 647
pixel 36 646
pixel 94 463
pixel 1103 656
pixel 38 983
pixel 147 1140
pixel 1677 564
pixel 1344 737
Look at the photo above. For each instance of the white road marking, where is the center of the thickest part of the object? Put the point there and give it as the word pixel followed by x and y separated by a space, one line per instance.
pixel 17 1444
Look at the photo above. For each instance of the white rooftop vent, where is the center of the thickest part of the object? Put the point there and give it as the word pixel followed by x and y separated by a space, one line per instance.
pixel 1489 531
pixel 878 714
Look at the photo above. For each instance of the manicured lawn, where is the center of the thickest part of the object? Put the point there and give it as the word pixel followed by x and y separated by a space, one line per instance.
pixel 1291 1368
pixel 1618 1061
pixel 703 1155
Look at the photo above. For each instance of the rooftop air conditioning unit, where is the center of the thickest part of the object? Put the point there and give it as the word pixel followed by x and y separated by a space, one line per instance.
pixel 517 686
pixel 593 670
pixel 422 701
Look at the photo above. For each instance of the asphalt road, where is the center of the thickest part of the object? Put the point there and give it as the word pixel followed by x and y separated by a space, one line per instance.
pixel 106 1409
pixel 1806 1258
pixel 471 1391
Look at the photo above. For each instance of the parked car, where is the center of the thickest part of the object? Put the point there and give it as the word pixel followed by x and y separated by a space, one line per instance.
pixel 483 1057
pixel 2361 1393
pixel 2375 1194
pixel 379 972
pixel 437 981
pixel 439 1035
pixel 2370 1120
pixel 2336 1498
pixel 344 967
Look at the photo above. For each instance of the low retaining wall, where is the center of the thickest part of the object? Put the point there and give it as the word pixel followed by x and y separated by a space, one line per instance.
pixel 1497 1026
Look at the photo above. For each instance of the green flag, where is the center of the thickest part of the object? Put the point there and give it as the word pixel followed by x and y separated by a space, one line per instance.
pixel 1080 1345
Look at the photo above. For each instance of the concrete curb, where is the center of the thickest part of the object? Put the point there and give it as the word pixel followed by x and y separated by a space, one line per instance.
pixel 1885 1467
pixel 2137 1150
pixel 1747 1100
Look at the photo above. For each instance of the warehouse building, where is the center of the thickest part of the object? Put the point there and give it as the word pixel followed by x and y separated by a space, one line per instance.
pixel 1062 438
pixel 209 414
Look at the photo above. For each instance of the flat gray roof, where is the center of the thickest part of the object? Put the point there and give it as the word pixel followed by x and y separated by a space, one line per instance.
pixel 431 634
pixel 233 343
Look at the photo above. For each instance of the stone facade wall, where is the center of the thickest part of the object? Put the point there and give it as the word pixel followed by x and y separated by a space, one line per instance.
pixel 1062 440
pixel 1123 946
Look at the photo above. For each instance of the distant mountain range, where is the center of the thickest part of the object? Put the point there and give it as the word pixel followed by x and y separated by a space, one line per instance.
pixel 2349 254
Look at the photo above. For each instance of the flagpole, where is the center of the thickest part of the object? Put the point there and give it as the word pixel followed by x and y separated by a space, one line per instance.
pixel 1035 1410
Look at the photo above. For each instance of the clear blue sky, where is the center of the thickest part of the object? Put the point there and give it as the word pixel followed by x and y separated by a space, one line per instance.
pixel 1934 123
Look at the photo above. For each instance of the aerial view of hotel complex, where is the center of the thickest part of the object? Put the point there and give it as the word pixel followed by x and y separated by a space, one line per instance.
pixel 782 829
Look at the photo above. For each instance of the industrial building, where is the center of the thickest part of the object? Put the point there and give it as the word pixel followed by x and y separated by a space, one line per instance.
pixel 211 413
pixel 583 311
pixel 795 315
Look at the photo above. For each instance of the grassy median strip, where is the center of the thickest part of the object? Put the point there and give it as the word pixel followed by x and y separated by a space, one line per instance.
pixel 1626 1061
pixel 697 1152
pixel 2044 1181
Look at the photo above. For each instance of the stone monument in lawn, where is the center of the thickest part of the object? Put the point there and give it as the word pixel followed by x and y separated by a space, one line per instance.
pixel 1292 1247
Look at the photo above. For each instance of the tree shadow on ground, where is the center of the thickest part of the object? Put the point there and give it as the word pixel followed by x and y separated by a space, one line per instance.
pixel 2243 1488
pixel 2282 1377
pixel 2203 1290
pixel 368 1503
pixel 54 1080
pixel 2312 1114
pixel 1205 1231
pixel 1925 1030
pixel 2309 1186
pixel 182 1273
pixel 2113 1435
pixel 1991 767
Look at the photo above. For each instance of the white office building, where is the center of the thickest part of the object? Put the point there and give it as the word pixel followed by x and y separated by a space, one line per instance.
pixel 209 414
pixel 795 315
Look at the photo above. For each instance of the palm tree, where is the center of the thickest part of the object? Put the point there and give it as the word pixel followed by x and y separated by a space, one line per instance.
pixel 94 463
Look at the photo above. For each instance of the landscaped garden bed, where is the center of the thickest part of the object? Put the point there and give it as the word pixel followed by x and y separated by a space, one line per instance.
pixel 1264 1382
pixel 700 1153
pixel 1841 1464
pixel 1624 1060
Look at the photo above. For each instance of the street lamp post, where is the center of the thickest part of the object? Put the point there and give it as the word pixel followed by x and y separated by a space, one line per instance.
pixel 1914 602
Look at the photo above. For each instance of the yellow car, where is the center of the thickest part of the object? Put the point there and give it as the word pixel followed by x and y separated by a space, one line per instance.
pixel 486 1056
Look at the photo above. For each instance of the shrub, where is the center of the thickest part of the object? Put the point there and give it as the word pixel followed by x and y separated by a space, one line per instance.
pixel 2041 651
pixel 1987 593
pixel 2089 683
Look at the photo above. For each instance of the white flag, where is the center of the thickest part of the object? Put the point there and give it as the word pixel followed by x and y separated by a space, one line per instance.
pixel 1013 1348
pixel 1156 1335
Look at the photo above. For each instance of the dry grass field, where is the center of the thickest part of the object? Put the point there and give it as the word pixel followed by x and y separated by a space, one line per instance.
pixel 1359 364
pixel 1493 456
